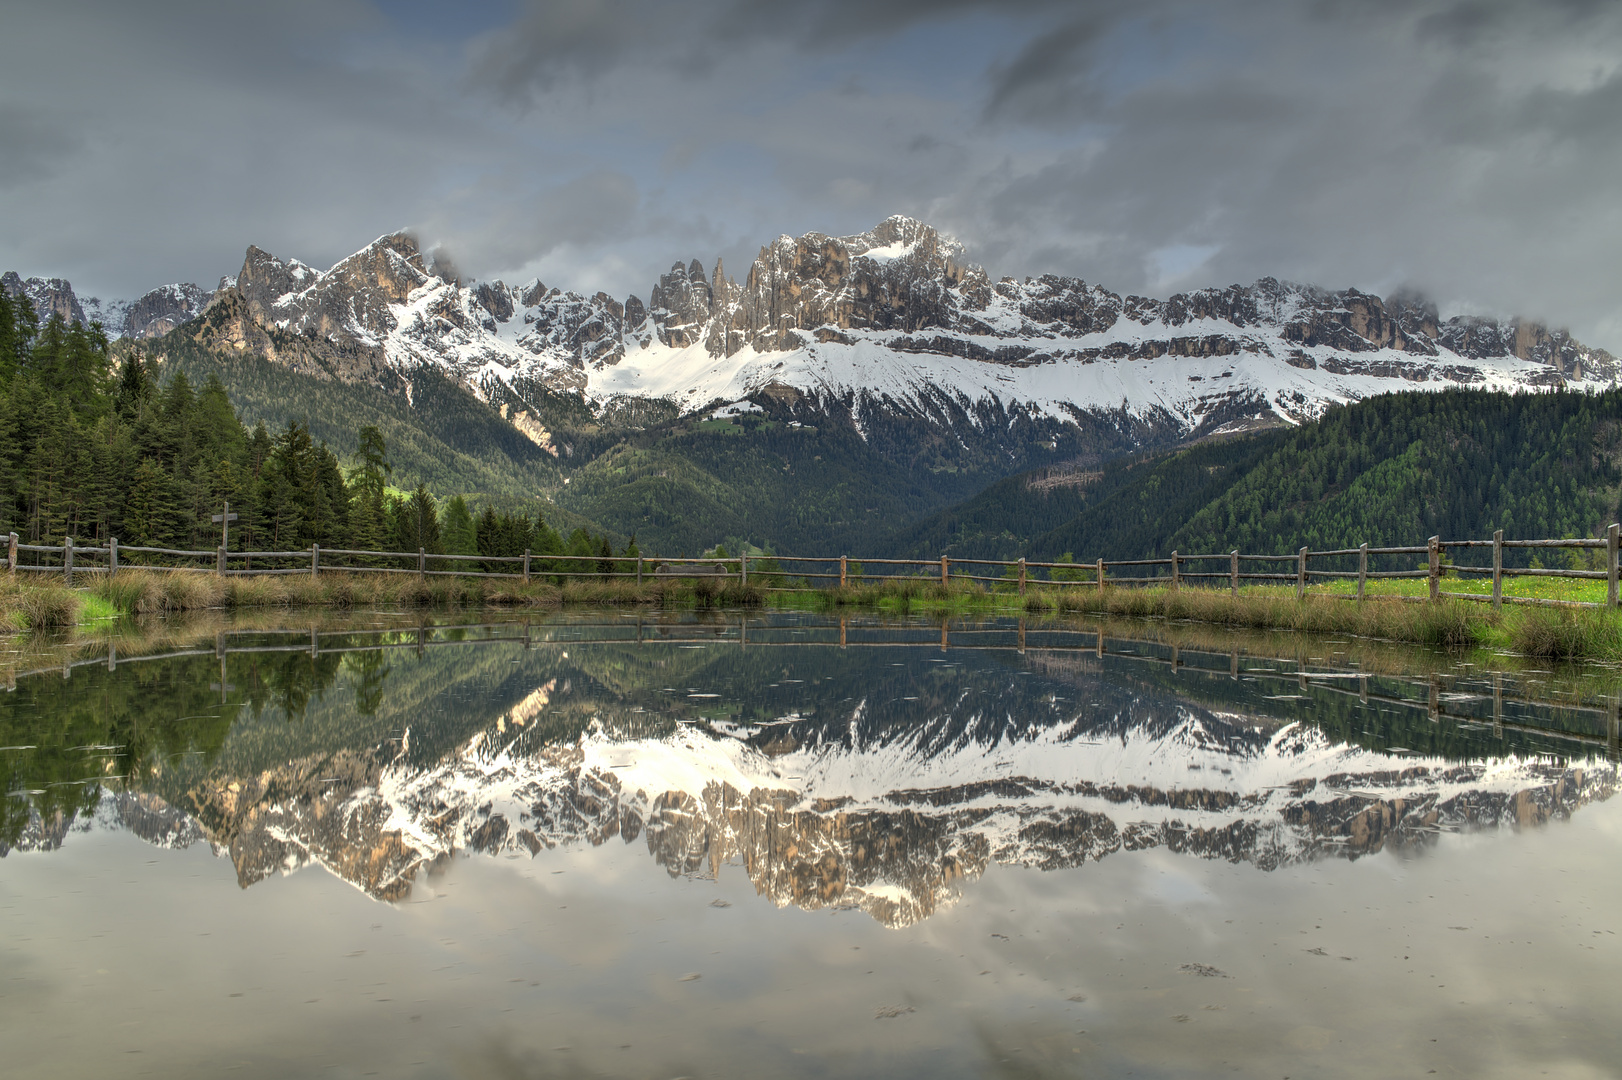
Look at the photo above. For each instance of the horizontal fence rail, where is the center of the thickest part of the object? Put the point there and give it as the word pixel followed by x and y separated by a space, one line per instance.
pixel 800 573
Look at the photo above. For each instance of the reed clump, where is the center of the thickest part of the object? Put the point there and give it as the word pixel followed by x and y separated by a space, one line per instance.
pixel 588 591
pixel 158 592
pixel 1451 623
pixel 906 593
pixel 1565 634
pixel 43 607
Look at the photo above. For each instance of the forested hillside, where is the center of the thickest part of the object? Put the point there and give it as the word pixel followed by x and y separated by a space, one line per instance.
pixel 94 450
pixel 438 433
pixel 1396 469
pixel 688 483
pixel 1391 470
pixel 1129 504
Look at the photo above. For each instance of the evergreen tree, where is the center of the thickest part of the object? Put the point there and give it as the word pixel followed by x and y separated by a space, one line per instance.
pixel 456 528
pixel 134 387
pixel 416 523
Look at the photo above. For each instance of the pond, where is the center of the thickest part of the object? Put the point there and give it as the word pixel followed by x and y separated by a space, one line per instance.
pixel 612 844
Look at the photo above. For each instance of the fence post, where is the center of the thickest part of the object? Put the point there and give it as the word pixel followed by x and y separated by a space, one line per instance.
pixel 1434 545
pixel 315 559
pixel 219 560
pixel 743 568
pixel 1100 575
pixel 67 560
pixel 1175 577
pixel 1362 567
pixel 1611 538
pixel 1301 574
pixel 1233 572
pixel 422 564
pixel 639 570
pixel 112 556
pixel 526 566
pixel 944 571
pixel 1498 569
pixel 11 554
pixel 1022 579
pixel 842 577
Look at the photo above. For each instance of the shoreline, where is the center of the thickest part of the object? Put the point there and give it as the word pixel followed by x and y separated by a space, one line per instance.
pixel 1550 633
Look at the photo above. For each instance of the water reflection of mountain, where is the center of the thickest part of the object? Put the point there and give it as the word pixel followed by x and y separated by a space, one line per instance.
pixel 877 779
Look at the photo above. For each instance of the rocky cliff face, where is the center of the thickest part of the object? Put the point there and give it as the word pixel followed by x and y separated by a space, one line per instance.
pixel 896 320
pixel 152 315
pixel 50 296
pixel 161 310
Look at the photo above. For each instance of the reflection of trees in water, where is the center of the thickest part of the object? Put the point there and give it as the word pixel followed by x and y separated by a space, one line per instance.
pixel 142 724
pixel 272 782
pixel 371 670
pixel 289 681
pixel 115 727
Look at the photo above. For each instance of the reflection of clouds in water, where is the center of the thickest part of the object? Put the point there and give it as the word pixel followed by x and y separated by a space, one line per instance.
pixel 1170 881
pixel 592 958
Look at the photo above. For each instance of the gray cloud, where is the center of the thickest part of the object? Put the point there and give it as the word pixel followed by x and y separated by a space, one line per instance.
pixel 1465 147
pixel 35 146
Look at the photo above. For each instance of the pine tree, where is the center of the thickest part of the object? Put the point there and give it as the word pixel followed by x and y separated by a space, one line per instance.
pixel 457 530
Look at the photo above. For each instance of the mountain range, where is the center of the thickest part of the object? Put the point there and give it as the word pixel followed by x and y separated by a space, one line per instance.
pixel 873 377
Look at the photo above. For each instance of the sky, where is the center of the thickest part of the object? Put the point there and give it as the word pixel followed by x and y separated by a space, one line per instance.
pixel 1468 149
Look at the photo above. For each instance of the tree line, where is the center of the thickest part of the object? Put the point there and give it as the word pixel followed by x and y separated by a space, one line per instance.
pixel 93 450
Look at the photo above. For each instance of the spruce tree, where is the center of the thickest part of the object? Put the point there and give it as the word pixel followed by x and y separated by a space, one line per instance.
pixel 457 530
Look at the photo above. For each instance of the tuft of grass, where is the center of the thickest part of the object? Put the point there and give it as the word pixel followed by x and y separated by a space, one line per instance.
pixel 252 592
pixel 905 594
pixel 124 591
pixel 46 608
pixel 1450 623
pixel 1565 633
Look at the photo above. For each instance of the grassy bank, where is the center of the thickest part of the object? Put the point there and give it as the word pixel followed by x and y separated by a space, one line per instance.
pixel 1550 633
pixel 49 605
pixel 1547 633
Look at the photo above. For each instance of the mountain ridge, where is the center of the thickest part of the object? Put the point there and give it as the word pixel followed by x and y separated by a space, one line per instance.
pixel 944 380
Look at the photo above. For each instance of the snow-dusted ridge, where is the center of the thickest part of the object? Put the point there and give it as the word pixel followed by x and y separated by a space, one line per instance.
pixel 893 318
pixel 896 319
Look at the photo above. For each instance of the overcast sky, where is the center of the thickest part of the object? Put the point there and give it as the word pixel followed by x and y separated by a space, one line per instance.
pixel 1469 148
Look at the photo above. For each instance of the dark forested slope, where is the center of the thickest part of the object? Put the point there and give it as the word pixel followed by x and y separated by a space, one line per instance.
pixel 1391 470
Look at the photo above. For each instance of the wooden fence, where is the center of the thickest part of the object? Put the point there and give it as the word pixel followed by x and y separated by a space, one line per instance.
pixel 811 572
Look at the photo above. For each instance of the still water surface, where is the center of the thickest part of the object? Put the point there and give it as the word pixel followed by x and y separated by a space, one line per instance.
pixel 601 844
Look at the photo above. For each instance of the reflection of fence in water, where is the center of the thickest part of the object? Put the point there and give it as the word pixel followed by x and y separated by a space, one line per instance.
pixel 1438 695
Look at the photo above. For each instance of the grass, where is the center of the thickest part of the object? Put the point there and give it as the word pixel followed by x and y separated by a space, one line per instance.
pixel 1578 590
pixel 1547 633
pixel 1544 633
pixel 39 605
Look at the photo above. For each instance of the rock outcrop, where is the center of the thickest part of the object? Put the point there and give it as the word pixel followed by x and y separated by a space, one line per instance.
pixel 50 296
pixel 163 309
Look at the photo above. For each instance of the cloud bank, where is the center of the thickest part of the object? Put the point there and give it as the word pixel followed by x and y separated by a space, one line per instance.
pixel 1467 149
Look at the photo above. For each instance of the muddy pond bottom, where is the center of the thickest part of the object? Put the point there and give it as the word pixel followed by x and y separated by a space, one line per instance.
pixel 655 846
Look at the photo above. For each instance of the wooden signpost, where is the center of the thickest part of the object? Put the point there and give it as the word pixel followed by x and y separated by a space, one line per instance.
pixel 224 519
